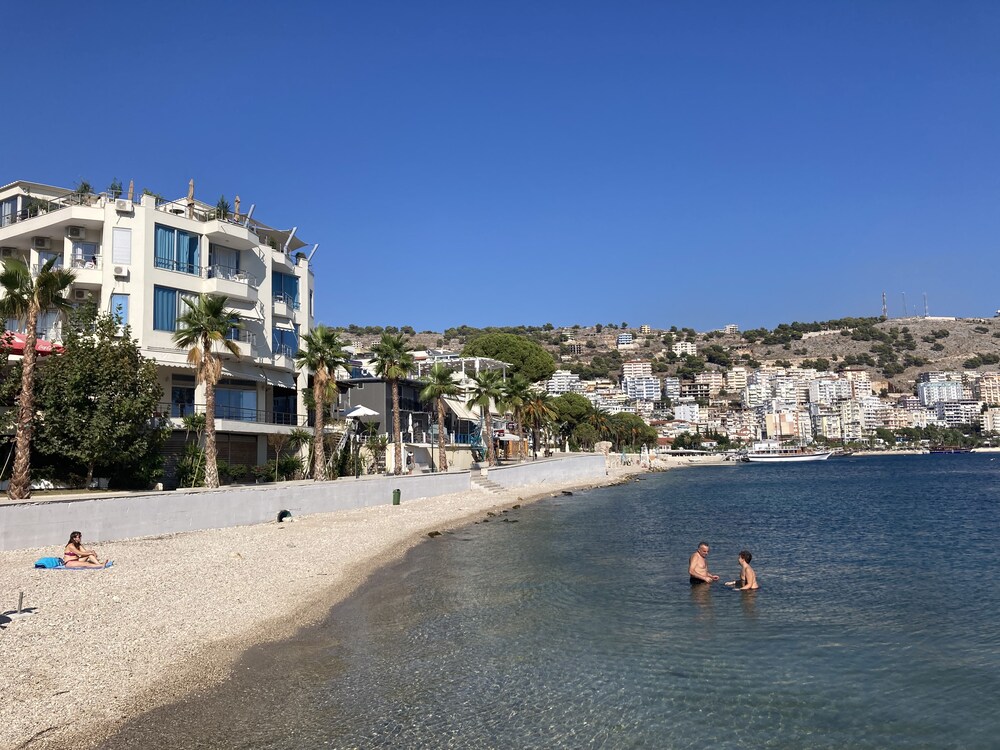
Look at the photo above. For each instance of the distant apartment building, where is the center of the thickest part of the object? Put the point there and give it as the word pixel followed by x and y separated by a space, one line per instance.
pixel 987 389
pixel 860 380
pixel 932 392
pixel 991 420
pixel 687 412
pixel 829 391
pixel 637 369
pixel 563 381
pixel 955 413
pixel 671 387
pixel 646 388
pixel 645 330
pixel 731 329
pixel 624 339
pixel 736 379
pixel 715 381
pixel 574 348
pixel 695 390
pixel 683 348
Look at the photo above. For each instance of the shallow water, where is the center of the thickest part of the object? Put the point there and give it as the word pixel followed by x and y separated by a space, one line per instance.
pixel 875 627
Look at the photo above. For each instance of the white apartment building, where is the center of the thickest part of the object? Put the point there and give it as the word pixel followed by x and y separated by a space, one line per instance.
pixel 860 380
pixel 932 392
pixel 682 348
pixel 736 379
pixel 141 257
pixel 731 329
pixel 645 388
pixel 671 387
pixel 624 339
pixel 954 413
pixel 715 381
pixel 687 412
pixel 829 391
pixel 637 369
pixel 563 381
pixel 991 420
pixel 988 388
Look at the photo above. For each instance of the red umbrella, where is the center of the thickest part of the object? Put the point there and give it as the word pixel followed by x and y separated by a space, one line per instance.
pixel 15 343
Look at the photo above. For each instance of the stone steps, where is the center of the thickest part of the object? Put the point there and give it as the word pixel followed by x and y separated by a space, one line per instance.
pixel 485 485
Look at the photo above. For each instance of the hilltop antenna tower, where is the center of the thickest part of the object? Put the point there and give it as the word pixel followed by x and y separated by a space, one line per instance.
pixel 904 303
pixel 926 314
pixel 885 310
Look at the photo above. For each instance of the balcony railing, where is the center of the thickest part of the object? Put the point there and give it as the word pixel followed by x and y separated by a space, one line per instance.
pixel 286 299
pixel 170 264
pixel 237 414
pixel 93 262
pixel 283 350
pixel 41 206
pixel 242 336
pixel 231 274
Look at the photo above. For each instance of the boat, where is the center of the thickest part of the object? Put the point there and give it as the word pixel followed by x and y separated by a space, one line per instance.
pixel 948 449
pixel 772 451
pixel 842 454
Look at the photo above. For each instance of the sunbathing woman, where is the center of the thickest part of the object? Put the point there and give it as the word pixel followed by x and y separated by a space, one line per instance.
pixel 75 556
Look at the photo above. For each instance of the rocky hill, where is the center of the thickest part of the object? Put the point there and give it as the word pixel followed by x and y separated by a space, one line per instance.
pixel 897 349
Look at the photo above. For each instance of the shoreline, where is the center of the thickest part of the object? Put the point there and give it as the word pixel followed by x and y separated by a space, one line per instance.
pixel 146 633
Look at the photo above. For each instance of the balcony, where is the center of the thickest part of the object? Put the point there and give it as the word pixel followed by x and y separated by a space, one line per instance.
pixel 285 305
pixel 88 270
pixel 232 419
pixel 231 283
pixel 245 341
pixel 284 357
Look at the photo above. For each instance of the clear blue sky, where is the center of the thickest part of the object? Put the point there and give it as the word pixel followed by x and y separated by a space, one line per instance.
pixel 506 163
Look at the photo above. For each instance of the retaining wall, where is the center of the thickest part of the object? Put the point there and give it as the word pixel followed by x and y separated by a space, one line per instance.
pixel 581 466
pixel 47 523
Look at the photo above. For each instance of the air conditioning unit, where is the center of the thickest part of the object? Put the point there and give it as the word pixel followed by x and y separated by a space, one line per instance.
pixel 120 272
pixel 80 294
pixel 8 252
pixel 124 206
pixel 41 243
pixel 75 233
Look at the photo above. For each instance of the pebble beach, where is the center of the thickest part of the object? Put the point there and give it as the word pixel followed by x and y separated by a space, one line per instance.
pixel 175 612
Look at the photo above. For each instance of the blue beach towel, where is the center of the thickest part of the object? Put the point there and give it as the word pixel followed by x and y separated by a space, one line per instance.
pixel 48 562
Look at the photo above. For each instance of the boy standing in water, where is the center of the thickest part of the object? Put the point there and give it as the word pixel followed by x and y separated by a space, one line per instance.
pixel 748 578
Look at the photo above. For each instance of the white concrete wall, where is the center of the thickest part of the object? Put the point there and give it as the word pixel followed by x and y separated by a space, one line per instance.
pixel 570 468
pixel 48 523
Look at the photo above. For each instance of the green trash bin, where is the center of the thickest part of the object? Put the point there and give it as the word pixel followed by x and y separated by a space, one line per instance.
pixel 395 497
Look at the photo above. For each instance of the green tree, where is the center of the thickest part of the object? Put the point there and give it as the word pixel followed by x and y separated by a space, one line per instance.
pixel 571 409
pixel 393 362
pixel 322 352
pixel 539 413
pixel 98 398
pixel 204 325
pixel 439 384
pixel 516 393
pixel 585 435
pixel 487 388
pixel 24 300
pixel 525 356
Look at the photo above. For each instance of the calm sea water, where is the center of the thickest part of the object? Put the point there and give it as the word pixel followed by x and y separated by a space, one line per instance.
pixel 876 625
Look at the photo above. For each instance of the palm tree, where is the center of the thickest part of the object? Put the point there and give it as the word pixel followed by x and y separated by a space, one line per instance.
pixel 516 393
pixel 539 412
pixel 323 352
pixel 25 299
pixel 488 387
pixel 200 328
pixel 439 384
pixel 393 362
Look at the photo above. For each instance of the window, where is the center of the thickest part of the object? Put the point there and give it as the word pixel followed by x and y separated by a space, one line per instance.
pixel 121 246
pixel 86 254
pixel 44 257
pixel 236 403
pixel 177 250
pixel 182 396
pixel 7 210
pixel 285 405
pixel 223 262
pixel 168 305
pixel 285 288
pixel 119 308
pixel 285 342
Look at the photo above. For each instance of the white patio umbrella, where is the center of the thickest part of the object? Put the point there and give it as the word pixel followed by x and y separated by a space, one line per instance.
pixel 360 411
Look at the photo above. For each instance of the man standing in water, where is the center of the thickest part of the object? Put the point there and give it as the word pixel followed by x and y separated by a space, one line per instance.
pixel 698 567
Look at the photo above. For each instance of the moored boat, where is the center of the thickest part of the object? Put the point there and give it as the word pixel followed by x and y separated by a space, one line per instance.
pixel 772 451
